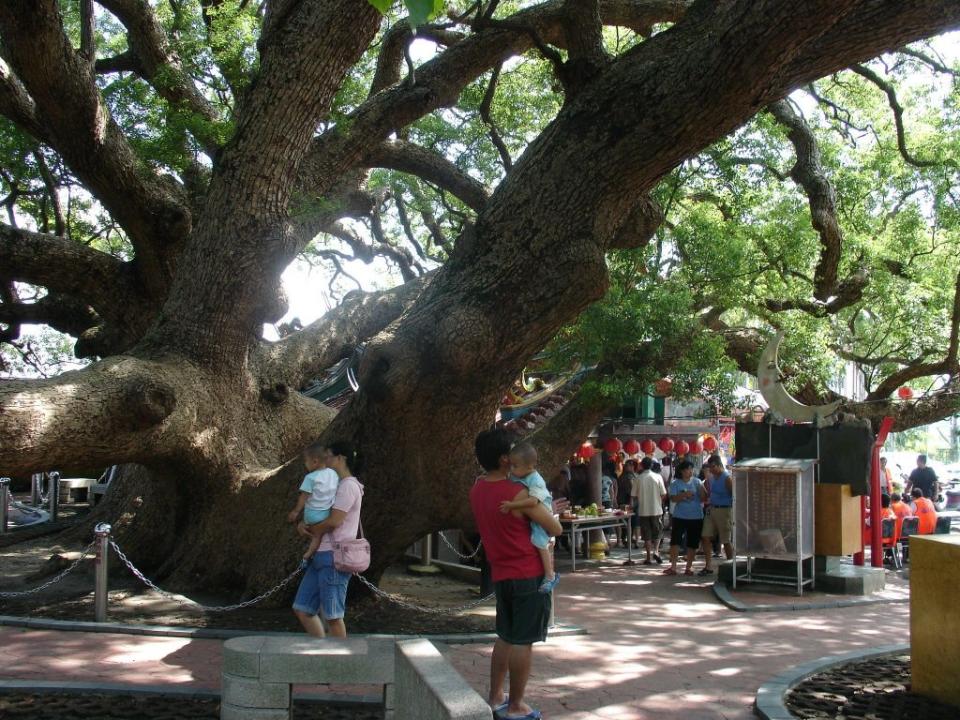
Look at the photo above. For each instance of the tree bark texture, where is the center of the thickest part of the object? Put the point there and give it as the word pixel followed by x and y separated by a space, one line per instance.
pixel 207 413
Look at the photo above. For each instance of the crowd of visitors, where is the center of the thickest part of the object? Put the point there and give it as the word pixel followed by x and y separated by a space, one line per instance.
pixel 699 507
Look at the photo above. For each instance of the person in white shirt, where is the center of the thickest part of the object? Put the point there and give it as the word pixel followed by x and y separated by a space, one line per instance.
pixel 647 495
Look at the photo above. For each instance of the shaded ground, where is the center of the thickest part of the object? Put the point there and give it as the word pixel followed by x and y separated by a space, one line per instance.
pixel 29 558
pixel 156 707
pixel 878 688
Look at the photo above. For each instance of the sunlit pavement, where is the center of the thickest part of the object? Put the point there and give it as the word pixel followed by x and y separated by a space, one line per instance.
pixel 658 647
pixel 664 647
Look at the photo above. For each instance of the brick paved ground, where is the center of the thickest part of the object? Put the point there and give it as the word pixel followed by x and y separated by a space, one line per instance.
pixel 663 647
pixel 658 647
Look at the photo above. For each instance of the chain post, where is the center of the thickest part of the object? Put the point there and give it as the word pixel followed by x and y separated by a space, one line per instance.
pixel 4 503
pixel 54 495
pixel 35 494
pixel 102 532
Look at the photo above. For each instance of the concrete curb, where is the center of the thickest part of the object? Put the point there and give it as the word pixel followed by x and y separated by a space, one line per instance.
pixel 54 687
pixel 769 703
pixel 226 634
pixel 722 593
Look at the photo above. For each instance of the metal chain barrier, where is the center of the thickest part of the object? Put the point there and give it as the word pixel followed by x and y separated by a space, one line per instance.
pixel 457 552
pixel 246 603
pixel 60 576
pixel 206 608
pixel 434 611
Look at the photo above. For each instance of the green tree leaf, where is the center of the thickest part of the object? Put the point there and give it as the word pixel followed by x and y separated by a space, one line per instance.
pixel 423 10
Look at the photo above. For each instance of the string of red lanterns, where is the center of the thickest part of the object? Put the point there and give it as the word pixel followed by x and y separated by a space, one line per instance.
pixel 647 446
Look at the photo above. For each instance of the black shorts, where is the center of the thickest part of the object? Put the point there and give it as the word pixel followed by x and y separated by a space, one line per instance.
pixel 680 527
pixel 523 612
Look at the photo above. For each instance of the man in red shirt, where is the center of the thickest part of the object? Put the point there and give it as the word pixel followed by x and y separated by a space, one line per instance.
pixel 516 570
pixel 925 511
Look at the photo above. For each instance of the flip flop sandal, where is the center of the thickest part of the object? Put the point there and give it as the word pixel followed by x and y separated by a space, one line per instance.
pixel 532 715
pixel 502 707
pixel 705 571
pixel 669 571
pixel 688 572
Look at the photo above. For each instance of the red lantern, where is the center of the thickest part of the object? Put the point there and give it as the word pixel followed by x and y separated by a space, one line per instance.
pixel 696 447
pixel 613 446
pixel 905 393
pixel 666 444
pixel 648 446
pixel 709 443
pixel 631 446
pixel 586 451
pixel 681 447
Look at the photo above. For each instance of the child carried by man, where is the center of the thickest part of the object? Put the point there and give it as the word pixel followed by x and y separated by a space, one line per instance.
pixel 523 469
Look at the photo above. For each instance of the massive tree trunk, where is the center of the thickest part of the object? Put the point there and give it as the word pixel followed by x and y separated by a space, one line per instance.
pixel 209 413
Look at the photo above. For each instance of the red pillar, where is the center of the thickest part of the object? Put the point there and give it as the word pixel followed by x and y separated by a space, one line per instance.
pixel 858 557
pixel 876 545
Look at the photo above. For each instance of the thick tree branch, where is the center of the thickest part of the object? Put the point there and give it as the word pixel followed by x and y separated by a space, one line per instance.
pixel 846 293
pixel 159 65
pixel 440 81
pixel 88 38
pixel 16 103
pixel 89 278
pixel 308 352
pixel 127 61
pixel 392 50
pixel 637 226
pixel 79 127
pixel 305 56
pixel 583 29
pixel 871 28
pixel 62 265
pixel 60 312
pixel 558 438
pixel 431 166
pixel 924 410
pixel 897 108
pixel 114 409
pixel 808 172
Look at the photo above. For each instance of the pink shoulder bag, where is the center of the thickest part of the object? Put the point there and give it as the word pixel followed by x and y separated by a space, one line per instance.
pixel 352 556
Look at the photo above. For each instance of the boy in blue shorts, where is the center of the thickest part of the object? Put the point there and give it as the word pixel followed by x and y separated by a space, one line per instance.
pixel 317 492
pixel 523 469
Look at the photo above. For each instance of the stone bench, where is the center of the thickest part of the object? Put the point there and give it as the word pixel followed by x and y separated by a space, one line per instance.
pixel 428 687
pixel 417 682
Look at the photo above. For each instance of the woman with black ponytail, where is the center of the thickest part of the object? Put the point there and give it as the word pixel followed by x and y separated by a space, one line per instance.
pixel 323 589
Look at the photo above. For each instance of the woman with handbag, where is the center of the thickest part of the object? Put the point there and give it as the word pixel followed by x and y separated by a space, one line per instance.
pixel 323 589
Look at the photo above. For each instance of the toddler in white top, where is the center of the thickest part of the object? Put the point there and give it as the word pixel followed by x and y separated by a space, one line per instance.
pixel 523 469
pixel 317 493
